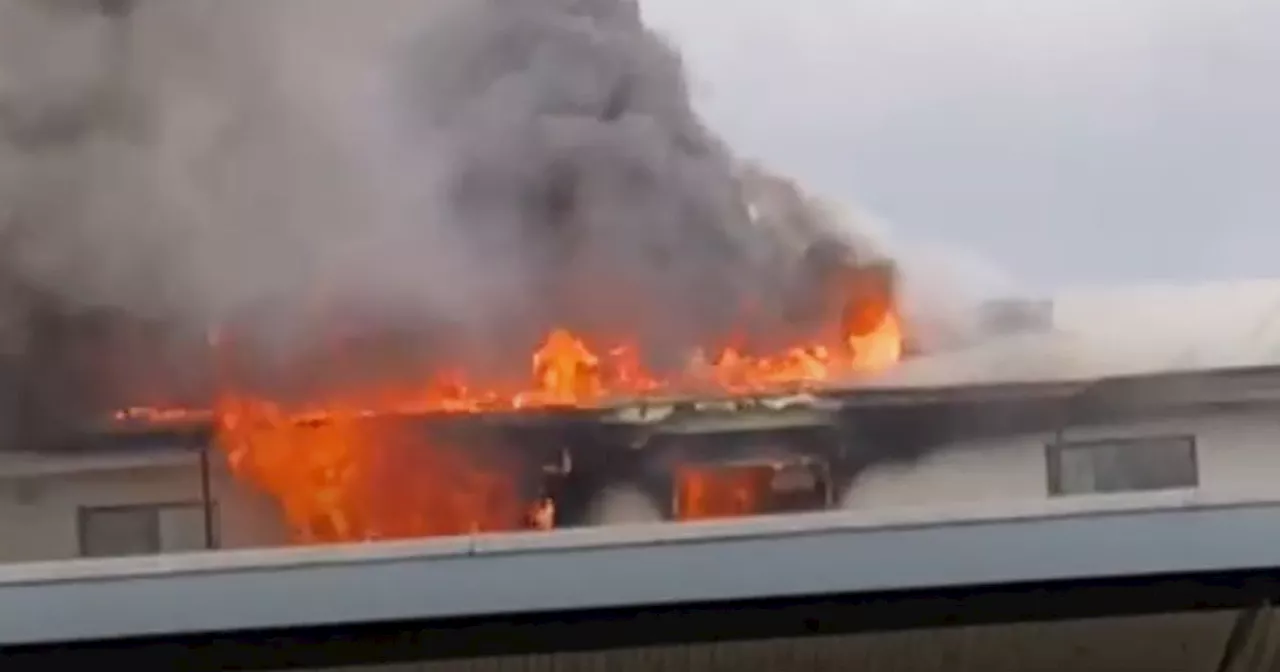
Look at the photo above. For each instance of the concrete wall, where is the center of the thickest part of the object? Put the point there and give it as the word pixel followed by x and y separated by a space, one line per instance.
pixel 1238 456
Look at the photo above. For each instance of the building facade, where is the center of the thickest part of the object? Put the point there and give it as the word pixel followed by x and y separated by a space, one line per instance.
pixel 1218 446
pixel 59 507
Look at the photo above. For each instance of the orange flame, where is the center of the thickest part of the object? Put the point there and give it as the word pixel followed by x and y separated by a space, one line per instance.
pixel 340 477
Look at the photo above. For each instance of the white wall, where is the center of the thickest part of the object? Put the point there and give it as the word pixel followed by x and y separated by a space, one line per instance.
pixel 40 498
pixel 1238 455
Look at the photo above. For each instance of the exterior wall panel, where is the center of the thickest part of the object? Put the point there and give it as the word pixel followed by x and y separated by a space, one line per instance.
pixel 39 511
pixel 1238 455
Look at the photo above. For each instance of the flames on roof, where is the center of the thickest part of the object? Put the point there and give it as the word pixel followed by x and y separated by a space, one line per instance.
pixel 603 243
pixel 343 470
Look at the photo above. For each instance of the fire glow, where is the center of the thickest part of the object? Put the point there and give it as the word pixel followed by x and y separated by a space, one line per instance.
pixel 339 477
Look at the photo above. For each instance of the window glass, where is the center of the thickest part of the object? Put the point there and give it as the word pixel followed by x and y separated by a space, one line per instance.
pixel 110 532
pixel 141 529
pixel 1122 465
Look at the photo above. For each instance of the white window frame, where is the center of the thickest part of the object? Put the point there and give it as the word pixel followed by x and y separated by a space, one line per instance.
pixel 1054 453
pixel 156 510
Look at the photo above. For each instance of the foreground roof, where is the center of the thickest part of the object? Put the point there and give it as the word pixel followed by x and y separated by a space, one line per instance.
pixel 630 566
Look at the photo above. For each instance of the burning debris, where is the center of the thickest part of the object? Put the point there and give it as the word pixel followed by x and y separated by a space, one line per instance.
pixel 512 206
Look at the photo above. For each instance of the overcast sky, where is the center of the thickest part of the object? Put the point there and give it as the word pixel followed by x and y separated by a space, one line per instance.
pixel 1069 141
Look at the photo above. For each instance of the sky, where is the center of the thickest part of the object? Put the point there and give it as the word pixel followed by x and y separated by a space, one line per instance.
pixel 1064 142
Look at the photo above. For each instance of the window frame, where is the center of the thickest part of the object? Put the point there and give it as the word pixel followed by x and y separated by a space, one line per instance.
pixel 1054 454
pixel 156 510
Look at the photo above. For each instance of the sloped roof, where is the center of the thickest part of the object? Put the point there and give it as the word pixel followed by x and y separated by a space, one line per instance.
pixel 1129 331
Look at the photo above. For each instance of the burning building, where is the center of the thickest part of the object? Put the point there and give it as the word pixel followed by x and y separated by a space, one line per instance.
pixel 736 431
pixel 1136 481
pixel 452 455
pixel 527 290
pixel 465 295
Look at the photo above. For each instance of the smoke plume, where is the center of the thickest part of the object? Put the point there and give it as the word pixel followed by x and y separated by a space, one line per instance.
pixel 471 171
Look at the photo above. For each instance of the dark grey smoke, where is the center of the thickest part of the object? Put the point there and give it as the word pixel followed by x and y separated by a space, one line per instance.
pixel 572 152
pixel 468 171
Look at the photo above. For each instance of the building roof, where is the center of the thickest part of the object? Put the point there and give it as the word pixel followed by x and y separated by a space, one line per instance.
pixel 631 566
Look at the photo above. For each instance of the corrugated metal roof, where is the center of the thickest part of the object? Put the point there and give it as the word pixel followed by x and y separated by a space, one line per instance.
pixel 1119 332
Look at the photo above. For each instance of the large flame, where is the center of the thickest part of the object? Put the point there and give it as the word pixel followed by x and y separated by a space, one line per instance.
pixel 343 478
pixel 340 476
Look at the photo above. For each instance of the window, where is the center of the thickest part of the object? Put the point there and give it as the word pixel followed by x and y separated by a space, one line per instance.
pixel 141 530
pixel 1122 465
